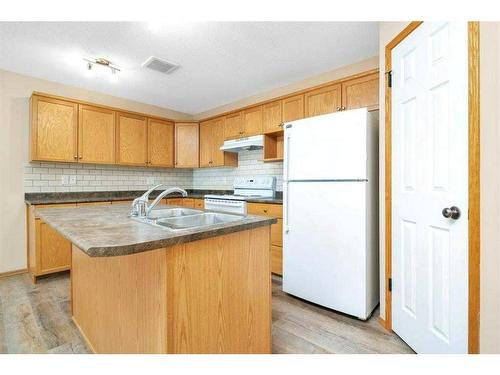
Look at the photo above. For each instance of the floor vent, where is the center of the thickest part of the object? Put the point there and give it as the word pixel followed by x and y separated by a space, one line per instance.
pixel 160 65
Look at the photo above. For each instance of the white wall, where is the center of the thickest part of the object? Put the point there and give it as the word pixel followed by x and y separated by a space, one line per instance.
pixel 490 187
pixel 387 32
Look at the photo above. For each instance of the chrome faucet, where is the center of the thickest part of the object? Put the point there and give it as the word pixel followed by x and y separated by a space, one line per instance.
pixel 140 206
pixel 163 194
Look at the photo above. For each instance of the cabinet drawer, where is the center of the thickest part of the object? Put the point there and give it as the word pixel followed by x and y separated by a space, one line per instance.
pixel 56 205
pixel 107 203
pixel 199 204
pixel 277 233
pixel 277 260
pixel 174 201
pixel 264 209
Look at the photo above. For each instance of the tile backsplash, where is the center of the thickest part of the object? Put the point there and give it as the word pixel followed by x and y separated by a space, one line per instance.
pixel 57 177
pixel 249 164
pixel 48 177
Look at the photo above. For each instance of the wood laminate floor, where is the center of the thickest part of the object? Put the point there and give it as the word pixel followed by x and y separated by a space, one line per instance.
pixel 37 319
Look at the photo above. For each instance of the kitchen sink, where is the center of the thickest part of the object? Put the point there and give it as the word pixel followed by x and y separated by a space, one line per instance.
pixel 196 221
pixel 172 212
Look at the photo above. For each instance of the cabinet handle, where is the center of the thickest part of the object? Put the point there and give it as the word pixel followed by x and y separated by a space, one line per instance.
pixel 343 108
pixel 339 109
pixel 80 157
pixel 75 157
pixel 281 125
pixel 265 211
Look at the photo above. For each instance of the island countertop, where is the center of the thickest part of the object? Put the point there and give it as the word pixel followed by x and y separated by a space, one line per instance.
pixel 103 231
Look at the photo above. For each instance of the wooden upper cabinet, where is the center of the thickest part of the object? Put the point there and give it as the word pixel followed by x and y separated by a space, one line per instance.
pixel 361 92
pixel 205 143
pixel 96 135
pixel 272 117
pixel 233 126
pixel 186 145
pixel 211 139
pixel 54 129
pixel 293 108
pixel 323 100
pixel 160 143
pixel 252 121
pixel 131 139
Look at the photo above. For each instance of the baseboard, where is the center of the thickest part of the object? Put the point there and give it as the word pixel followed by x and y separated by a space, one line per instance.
pixel 12 273
pixel 85 338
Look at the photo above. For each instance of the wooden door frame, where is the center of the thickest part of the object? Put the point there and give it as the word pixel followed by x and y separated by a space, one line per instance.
pixel 474 181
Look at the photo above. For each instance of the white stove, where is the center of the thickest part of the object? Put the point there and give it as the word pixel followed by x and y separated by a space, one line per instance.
pixel 244 188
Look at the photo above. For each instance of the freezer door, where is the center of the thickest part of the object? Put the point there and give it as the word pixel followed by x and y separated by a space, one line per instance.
pixel 328 147
pixel 324 250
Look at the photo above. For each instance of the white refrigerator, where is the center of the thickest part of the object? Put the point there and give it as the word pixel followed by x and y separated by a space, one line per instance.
pixel 330 219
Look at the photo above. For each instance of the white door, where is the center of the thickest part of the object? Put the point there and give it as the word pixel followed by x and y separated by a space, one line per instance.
pixel 328 147
pixel 430 173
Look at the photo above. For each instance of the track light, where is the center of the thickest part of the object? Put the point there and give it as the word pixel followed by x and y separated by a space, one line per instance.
pixel 91 62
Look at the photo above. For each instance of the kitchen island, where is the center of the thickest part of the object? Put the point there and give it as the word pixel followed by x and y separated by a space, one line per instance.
pixel 140 288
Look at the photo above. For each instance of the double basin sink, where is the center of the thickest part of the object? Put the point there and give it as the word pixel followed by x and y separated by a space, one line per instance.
pixel 186 218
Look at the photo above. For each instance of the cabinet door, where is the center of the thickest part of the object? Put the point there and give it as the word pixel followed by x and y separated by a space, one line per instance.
pixel 324 100
pixel 293 108
pixel 199 204
pixel 233 126
pixel 272 116
pixel 160 143
pixel 206 143
pixel 277 260
pixel 96 135
pixel 54 250
pixel 186 145
pixel 54 127
pixel 131 139
pixel 361 92
pixel 218 156
pixel 252 121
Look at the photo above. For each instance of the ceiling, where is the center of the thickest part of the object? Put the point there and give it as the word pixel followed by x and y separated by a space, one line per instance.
pixel 220 62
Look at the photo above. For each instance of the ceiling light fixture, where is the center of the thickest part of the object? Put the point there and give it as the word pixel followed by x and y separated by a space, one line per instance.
pixel 91 62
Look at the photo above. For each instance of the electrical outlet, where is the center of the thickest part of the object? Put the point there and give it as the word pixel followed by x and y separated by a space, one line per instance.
pixel 64 180
pixel 150 180
pixel 72 180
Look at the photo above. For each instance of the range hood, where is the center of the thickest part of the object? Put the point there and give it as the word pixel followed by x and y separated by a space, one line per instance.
pixel 255 142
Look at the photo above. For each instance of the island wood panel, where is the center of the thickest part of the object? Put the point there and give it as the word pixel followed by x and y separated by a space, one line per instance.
pixel 187 145
pixel 252 121
pixel 323 100
pixel 233 125
pixel 160 143
pixel 54 129
pixel 272 116
pixel 277 259
pixel 119 302
pixel 293 108
pixel 131 139
pixel 96 135
pixel 361 92
pixel 219 294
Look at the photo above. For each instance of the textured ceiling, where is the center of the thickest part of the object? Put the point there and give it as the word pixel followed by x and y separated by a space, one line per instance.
pixel 220 62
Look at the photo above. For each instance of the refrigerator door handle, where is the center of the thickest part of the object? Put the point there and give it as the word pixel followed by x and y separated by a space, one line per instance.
pixel 285 216
pixel 287 157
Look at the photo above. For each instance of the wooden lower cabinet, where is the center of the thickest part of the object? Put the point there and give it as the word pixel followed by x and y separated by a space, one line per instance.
pixel 199 203
pixel 272 210
pixel 186 202
pixel 48 251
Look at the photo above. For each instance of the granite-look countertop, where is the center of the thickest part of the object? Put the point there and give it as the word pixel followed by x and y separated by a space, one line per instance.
pixel 106 196
pixel 102 231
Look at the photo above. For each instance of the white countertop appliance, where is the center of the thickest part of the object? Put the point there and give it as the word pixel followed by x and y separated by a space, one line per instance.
pixel 244 188
pixel 330 248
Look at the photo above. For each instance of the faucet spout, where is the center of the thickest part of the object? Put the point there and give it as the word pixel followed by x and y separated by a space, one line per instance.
pixel 162 195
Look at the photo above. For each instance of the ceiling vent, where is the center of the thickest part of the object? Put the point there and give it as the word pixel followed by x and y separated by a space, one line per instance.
pixel 160 65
